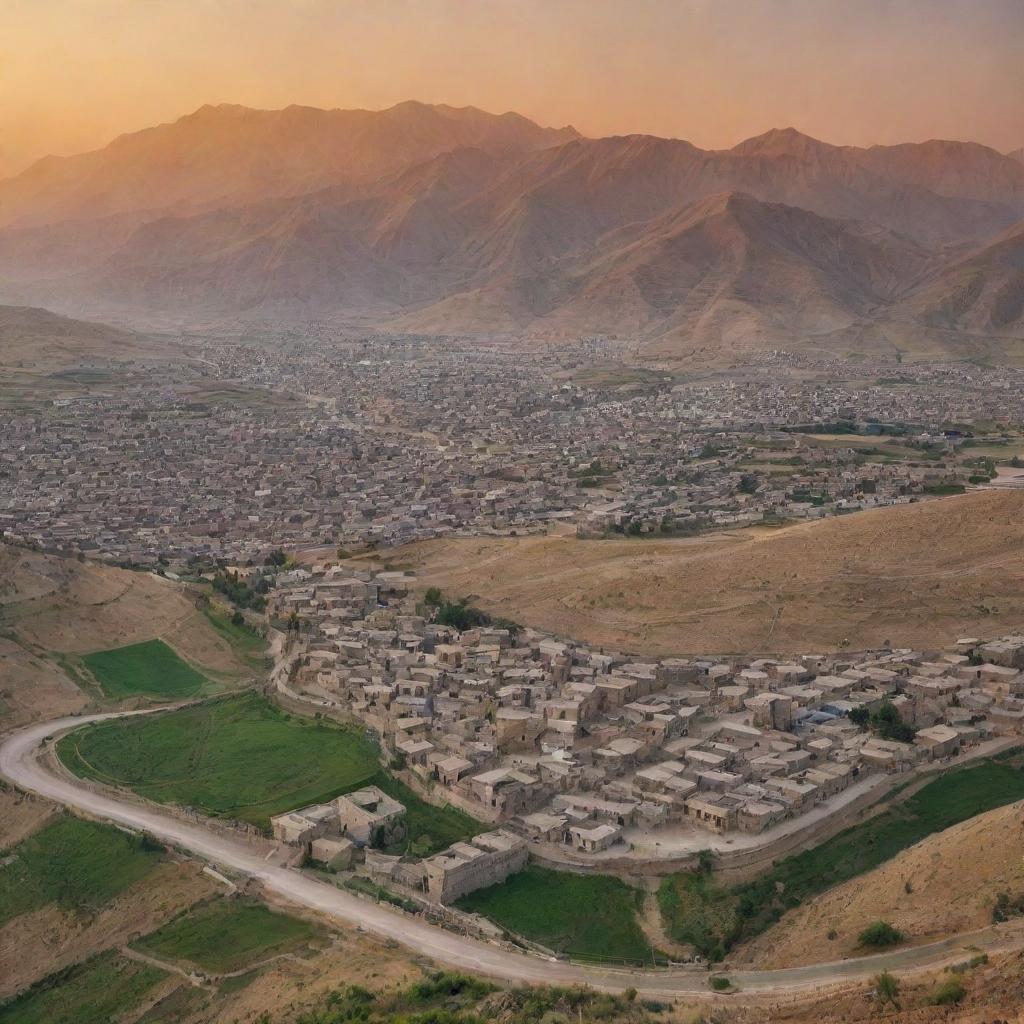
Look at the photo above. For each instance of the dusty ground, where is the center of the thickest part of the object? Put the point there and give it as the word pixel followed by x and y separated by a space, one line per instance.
pixel 36 944
pixel 20 816
pixel 917 575
pixel 955 877
pixel 994 995
pixel 32 685
pixel 288 988
pixel 51 606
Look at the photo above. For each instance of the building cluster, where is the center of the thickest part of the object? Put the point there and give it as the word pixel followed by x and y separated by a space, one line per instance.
pixel 582 750
pixel 362 825
pixel 318 441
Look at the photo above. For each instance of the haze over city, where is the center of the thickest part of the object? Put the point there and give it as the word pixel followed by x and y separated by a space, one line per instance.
pixel 75 73
pixel 511 511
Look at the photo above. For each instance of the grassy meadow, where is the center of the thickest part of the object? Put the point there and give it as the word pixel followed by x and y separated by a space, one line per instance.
pixel 242 757
pixel 431 828
pixel 79 865
pixel 227 935
pixel 238 757
pixel 99 991
pixel 147 669
pixel 590 917
pixel 249 646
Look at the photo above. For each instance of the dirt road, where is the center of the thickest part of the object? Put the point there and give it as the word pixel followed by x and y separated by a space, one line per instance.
pixel 20 765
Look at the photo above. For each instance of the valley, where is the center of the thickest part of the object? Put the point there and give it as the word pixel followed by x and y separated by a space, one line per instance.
pixel 511 513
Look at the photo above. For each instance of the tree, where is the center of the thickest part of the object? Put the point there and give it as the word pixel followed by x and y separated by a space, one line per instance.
pixel 238 619
pixel 276 558
pixel 887 723
pixel 860 716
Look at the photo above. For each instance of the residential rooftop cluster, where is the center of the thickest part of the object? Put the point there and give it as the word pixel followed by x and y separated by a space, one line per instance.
pixel 377 442
pixel 586 753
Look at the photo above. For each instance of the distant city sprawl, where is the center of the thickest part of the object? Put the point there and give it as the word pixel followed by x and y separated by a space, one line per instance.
pixel 317 440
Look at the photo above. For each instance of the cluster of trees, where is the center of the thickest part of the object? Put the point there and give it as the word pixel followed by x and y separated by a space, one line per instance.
pixel 239 592
pixel 460 614
pixel 884 723
pixel 668 527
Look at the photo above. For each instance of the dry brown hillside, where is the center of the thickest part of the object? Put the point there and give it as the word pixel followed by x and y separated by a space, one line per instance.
pixel 51 606
pixel 37 340
pixel 955 877
pixel 917 575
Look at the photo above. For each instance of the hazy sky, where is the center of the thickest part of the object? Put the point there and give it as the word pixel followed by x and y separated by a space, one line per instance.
pixel 74 73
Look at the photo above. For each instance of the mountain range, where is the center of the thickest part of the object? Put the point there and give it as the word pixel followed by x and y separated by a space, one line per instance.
pixel 432 219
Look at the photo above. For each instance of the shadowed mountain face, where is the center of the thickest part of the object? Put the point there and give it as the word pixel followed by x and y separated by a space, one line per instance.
pixel 434 219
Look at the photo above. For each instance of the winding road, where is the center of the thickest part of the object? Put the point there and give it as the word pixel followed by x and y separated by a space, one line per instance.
pixel 20 765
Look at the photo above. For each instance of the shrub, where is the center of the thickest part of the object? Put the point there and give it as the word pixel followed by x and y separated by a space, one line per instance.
pixel 720 984
pixel 949 993
pixel 887 989
pixel 879 935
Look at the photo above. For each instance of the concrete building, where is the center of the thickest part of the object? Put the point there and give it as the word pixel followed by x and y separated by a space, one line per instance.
pixel 481 861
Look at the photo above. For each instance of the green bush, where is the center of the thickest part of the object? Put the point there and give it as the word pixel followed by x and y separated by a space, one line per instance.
pixel 879 935
pixel 949 993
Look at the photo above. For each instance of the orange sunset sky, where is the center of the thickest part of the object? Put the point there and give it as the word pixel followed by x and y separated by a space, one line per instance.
pixel 74 73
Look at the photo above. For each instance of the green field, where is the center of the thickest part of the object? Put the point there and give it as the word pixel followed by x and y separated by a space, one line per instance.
pixel 431 828
pixel 77 864
pixel 714 918
pixel 149 669
pixel 227 935
pixel 98 991
pixel 591 917
pixel 242 757
pixel 249 647
pixel 238 757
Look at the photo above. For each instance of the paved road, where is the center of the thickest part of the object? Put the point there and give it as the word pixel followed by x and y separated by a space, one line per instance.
pixel 19 764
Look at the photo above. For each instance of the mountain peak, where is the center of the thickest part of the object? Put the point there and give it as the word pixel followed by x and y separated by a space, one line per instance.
pixel 781 142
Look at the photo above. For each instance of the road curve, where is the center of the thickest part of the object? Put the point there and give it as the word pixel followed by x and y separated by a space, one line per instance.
pixel 20 765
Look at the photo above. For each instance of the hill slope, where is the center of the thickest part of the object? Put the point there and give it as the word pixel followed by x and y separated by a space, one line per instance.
pixel 955 877
pixel 916 575
pixel 983 292
pixel 53 607
pixel 36 339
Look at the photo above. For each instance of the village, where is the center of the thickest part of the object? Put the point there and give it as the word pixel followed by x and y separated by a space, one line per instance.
pixel 585 758
pixel 384 441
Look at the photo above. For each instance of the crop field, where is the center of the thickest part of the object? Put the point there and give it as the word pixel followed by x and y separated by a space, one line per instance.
pixel 590 917
pixel 77 864
pixel 98 991
pixel 227 935
pixel 238 757
pixel 713 918
pixel 147 669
